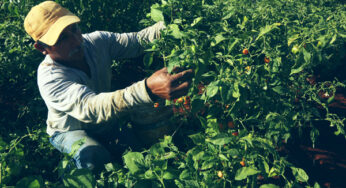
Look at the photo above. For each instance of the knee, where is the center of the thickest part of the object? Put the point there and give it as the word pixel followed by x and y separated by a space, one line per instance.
pixel 92 157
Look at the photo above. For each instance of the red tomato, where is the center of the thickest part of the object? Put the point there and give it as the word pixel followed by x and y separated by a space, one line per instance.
pixel 230 124
pixel 245 51
pixel 266 59
pixel 180 100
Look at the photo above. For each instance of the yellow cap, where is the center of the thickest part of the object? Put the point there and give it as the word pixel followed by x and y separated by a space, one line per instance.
pixel 47 20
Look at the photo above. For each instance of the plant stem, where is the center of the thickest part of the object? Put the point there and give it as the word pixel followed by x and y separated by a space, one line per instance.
pixel 0 173
pixel 160 179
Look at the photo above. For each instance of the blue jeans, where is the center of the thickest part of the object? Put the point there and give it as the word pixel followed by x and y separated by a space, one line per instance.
pixel 100 147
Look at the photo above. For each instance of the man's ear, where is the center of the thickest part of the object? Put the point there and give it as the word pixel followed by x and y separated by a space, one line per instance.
pixel 40 48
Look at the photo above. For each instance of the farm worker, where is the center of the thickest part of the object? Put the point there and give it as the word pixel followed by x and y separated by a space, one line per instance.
pixel 74 80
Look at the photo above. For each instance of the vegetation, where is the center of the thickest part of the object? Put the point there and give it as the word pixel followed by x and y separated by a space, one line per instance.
pixel 265 73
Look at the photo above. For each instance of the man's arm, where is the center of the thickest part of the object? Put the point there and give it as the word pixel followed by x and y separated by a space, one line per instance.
pixel 129 45
pixel 80 102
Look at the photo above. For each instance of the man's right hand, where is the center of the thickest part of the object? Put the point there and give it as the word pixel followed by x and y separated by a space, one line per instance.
pixel 169 86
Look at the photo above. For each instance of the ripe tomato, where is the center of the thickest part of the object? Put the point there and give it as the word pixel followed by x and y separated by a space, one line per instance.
pixel 219 174
pixel 235 133
pixel 221 126
pixel 186 100
pixel 245 51
pixel 230 125
pixel 180 100
pixel 227 106
pixel 242 163
pixel 201 88
pixel 156 105
pixel 266 59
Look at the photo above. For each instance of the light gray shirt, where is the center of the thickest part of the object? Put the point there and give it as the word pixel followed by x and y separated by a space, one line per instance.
pixel 76 101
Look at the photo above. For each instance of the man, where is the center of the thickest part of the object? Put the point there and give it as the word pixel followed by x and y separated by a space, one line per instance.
pixel 74 81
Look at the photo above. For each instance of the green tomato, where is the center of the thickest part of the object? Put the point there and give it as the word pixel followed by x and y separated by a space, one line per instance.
pixel 295 50
pixel 319 44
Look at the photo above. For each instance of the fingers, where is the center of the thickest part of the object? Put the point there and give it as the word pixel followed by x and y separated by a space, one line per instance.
pixel 181 82
pixel 183 75
pixel 168 86
pixel 180 90
pixel 177 69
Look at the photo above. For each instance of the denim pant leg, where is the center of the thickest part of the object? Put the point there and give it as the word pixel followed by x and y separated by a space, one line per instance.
pixel 90 155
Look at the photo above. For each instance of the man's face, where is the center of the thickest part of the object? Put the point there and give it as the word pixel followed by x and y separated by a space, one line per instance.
pixel 68 48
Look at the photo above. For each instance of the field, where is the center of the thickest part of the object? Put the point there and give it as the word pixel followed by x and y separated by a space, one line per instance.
pixel 266 107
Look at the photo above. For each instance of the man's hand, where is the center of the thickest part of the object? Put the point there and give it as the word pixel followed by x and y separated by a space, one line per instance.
pixel 169 86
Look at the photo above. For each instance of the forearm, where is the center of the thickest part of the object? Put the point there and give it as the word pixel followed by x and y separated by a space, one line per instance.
pixel 106 106
pixel 151 33
pixel 129 45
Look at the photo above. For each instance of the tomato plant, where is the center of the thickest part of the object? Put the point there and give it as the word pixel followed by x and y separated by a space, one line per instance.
pixel 257 91
pixel 258 68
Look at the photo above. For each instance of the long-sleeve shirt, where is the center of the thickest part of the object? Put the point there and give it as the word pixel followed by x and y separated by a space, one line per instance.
pixel 75 100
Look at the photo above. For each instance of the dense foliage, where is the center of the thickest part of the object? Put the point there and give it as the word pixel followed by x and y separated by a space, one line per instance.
pixel 264 70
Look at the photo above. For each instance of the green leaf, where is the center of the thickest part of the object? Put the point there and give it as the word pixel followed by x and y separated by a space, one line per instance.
pixel 149 174
pixel 173 62
pixel 63 165
pixel 235 91
pixel 148 59
pixel 76 145
pixel 109 167
pixel 269 186
pixel 207 164
pixel 292 39
pixel 342 35
pixel 300 174
pixel 134 161
pixel 79 178
pixel 212 123
pixel 156 149
pixel 197 138
pixel 233 153
pixel 156 14
pixel 316 185
pixel 185 175
pixel 279 90
pixel 170 174
pixel 223 157
pixel 212 89
pixel 30 182
pixel 265 166
pixel 266 29
pixel 331 99
pixel 307 56
pixel 160 165
pixel 244 172
pixel 220 140
pixel 175 31
pixel 333 39
pixel 218 38
pixel 196 21
pixel 297 70
pixel 230 48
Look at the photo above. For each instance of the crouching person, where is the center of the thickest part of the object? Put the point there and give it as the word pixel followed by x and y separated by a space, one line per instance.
pixel 74 80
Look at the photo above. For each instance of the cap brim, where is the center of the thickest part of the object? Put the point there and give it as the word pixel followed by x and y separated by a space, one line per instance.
pixel 52 35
